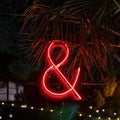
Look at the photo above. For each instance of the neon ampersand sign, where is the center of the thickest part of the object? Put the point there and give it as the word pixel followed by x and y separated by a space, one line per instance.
pixel 56 69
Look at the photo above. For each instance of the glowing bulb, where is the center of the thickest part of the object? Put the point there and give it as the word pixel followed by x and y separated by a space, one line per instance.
pixel 23 106
pixel 0 117
pixel 41 109
pixel 99 118
pixel 3 103
pixel 109 118
pixel 97 111
pixel 12 104
pixel 90 107
pixel 118 118
pixel 115 113
pixel 10 115
pixel 51 110
pixel 90 115
pixel 31 107
pixel 103 110
pixel 80 114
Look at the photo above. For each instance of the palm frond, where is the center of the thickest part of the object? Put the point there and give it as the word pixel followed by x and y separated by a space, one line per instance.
pixel 85 24
pixel 66 112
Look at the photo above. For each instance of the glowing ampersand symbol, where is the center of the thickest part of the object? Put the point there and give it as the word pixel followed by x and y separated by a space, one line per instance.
pixel 55 68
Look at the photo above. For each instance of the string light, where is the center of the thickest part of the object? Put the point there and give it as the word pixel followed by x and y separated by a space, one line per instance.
pixel 99 118
pixel 52 110
pixel 41 109
pixel 23 106
pixel 12 104
pixel 3 103
pixel 10 115
pixel 109 118
pixel 80 114
pixel 90 115
pixel 103 110
pixel 90 107
pixel 115 113
pixel 31 107
pixel 97 111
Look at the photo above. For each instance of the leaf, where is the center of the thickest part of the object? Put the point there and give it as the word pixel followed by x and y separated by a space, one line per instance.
pixel 66 112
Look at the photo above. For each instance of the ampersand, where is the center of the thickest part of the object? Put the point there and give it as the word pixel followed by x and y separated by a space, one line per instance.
pixel 53 68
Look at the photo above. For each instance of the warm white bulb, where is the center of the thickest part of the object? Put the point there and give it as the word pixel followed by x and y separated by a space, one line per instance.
pixel 0 117
pixel 90 115
pixel 12 104
pixel 90 107
pixel 103 110
pixel 109 118
pixel 23 106
pixel 41 109
pixel 99 118
pixel 97 111
pixel 10 115
pixel 31 107
pixel 51 110
pixel 3 103
pixel 115 113
pixel 80 114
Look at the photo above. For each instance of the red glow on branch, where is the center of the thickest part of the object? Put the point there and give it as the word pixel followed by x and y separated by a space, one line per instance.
pixel 69 88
